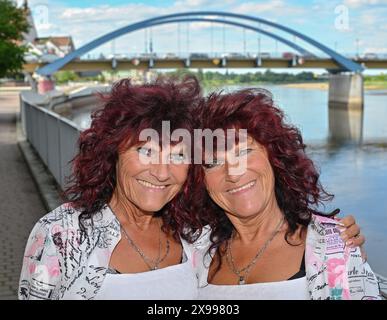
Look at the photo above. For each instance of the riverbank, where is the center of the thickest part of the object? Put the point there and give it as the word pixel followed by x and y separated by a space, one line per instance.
pixel 324 85
pixel 308 85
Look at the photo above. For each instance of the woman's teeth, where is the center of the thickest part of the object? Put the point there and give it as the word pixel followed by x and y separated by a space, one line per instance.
pixel 246 186
pixel 150 185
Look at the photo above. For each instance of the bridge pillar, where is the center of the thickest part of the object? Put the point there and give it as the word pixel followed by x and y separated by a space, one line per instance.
pixel 346 105
pixel 45 84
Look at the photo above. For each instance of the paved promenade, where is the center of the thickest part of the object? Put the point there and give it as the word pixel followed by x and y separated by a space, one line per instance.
pixel 20 204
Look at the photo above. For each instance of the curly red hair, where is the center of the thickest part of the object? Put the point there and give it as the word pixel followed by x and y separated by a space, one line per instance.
pixel 128 109
pixel 297 187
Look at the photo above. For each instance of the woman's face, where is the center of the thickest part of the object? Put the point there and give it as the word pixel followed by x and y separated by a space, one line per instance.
pixel 247 192
pixel 147 185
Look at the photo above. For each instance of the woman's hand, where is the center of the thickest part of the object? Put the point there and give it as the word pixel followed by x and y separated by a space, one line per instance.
pixel 350 233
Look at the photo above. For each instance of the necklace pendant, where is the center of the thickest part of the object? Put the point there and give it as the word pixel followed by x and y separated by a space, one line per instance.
pixel 242 280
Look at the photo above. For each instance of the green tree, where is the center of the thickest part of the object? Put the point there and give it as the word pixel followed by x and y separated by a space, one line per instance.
pixel 13 23
pixel 65 76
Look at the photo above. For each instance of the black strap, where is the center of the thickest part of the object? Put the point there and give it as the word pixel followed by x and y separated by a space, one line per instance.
pixel 301 273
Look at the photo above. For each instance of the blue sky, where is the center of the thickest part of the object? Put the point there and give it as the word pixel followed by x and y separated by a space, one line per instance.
pixel 87 3
pixel 342 25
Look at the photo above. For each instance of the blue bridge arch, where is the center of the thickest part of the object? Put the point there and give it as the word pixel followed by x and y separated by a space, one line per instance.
pixel 345 63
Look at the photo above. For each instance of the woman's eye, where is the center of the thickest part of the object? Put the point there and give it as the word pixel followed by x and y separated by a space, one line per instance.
pixel 144 151
pixel 177 157
pixel 213 164
pixel 244 152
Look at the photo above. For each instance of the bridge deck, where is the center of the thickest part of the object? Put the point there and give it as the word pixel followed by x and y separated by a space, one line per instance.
pixel 20 204
pixel 128 64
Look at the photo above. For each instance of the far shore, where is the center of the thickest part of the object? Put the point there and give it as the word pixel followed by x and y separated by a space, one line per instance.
pixel 308 85
pixel 324 86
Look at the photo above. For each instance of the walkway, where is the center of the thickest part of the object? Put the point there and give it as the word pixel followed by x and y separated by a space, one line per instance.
pixel 20 205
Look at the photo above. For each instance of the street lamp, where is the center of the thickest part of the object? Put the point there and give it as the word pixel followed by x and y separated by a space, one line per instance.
pixel 357 47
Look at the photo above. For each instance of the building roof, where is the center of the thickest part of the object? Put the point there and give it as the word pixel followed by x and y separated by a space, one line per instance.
pixel 58 41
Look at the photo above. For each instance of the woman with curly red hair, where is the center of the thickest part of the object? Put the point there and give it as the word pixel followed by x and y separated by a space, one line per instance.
pixel 126 215
pixel 267 238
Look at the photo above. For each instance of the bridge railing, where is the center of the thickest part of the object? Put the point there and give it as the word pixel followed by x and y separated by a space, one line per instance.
pixel 52 136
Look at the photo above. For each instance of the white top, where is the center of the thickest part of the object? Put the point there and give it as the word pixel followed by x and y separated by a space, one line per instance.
pixel 177 282
pixel 296 289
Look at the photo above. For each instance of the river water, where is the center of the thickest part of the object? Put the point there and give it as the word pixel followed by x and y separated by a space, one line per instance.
pixel 355 174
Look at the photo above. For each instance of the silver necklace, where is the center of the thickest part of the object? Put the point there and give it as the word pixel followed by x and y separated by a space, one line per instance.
pixel 244 272
pixel 152 264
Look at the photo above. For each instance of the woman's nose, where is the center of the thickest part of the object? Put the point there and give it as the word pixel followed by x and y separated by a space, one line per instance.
pixel 160 171
pixel 232 172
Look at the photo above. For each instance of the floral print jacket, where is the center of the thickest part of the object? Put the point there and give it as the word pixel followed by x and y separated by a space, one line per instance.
pixel 333 270
pixel 61 262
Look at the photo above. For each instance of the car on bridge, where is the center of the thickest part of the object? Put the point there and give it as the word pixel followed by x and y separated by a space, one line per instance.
pixel 146 56
pixel 198 55
pixel 288 55
pixel 262 55
pixel 309 55
pixel 234 55
pixel 119 56
pixel 170 55
pixel 370 56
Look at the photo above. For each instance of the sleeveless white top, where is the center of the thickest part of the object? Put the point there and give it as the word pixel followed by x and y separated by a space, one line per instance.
pixel 177 282
pixel 296 289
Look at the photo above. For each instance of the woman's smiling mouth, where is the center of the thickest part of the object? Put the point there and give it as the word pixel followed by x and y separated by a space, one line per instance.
pixel 244 187
pixel 151 185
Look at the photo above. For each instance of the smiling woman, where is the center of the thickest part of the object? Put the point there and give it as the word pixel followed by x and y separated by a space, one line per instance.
pixel 126 216
pixel 266 237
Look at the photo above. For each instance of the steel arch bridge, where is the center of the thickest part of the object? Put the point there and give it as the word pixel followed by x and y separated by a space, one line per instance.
pixel 206 16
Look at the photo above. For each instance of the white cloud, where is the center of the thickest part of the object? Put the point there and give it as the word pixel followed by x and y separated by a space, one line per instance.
pixel 377 50
pixel 200 4
pixel 361 3
pixel 129 13
pixel 369 21
pixel 276 7
pixel 193 3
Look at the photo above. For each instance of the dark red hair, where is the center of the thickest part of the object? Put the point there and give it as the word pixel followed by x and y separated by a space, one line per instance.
pixel 127 110
pixel 297 188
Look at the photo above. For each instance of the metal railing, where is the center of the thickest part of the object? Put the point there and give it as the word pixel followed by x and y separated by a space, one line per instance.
pixel 52 136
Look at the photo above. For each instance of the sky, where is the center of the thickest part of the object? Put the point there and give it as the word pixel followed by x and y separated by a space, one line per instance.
pixel 349 26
